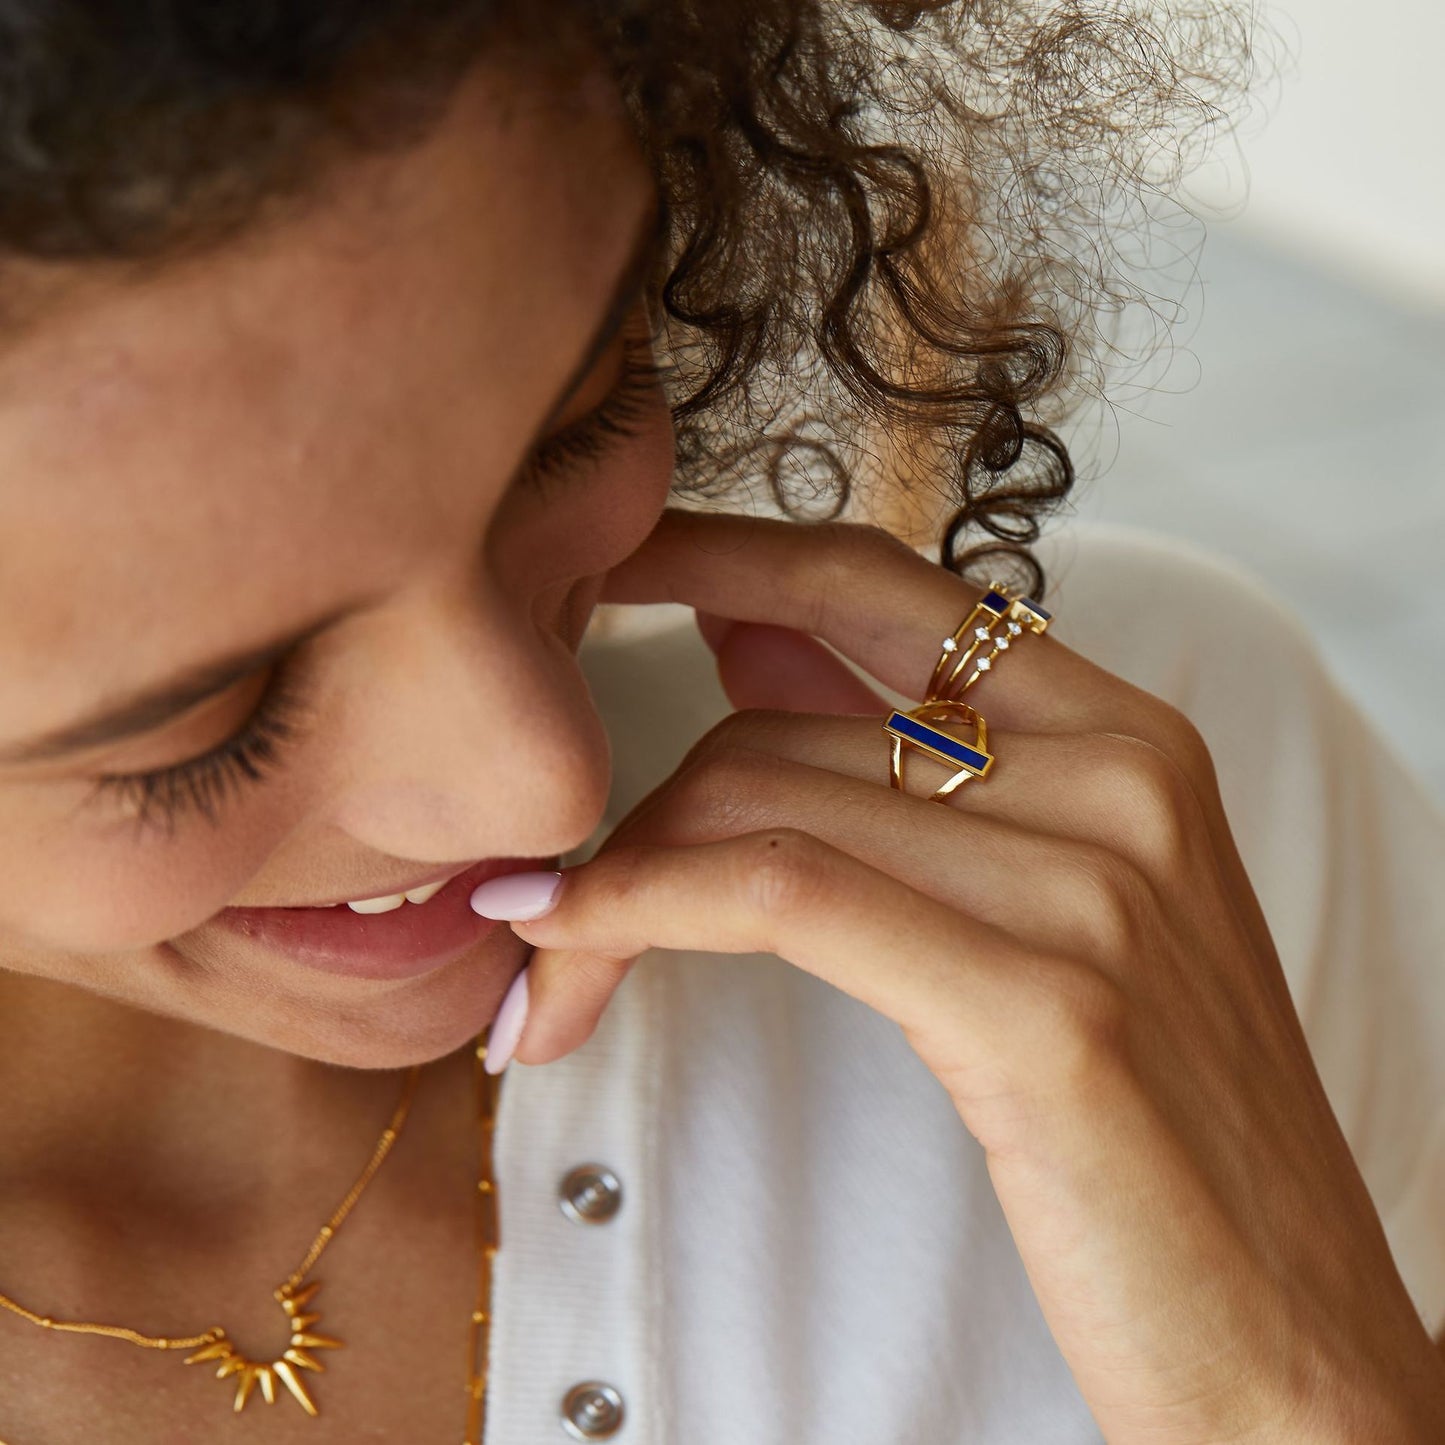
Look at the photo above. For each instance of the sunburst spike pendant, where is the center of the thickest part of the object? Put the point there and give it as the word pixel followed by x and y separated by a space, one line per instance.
pixel 253 1373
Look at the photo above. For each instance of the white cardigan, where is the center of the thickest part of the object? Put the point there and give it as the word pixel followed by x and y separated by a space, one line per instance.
pixel 808 1250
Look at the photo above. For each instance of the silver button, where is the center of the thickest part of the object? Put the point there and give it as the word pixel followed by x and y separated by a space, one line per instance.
pixel 590 1194
pixel 592 1411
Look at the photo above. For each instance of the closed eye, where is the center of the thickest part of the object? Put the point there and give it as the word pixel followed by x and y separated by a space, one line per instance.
pixel 204 784
pixel 618 416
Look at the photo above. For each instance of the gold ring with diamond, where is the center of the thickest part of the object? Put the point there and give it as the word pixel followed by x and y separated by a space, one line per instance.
pixel 984 634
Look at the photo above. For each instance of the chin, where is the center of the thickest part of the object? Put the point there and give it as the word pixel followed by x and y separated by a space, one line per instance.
pixel 353 1023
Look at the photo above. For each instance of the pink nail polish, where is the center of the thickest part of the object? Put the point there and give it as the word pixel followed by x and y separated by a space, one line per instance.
pixel 517 897
pixel 506 1030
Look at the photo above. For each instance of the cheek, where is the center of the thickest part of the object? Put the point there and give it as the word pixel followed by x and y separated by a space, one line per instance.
pixel 76 887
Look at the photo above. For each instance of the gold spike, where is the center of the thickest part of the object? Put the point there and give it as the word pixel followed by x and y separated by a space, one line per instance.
pixel 301 1322
pixel 218 1351
pixel 229 1367
pixel 287 1376
pixel 317 1342
pixel 244 1386
pixel 295 1303
pixel 267 1382
pixel 487 1215
pixel 300 1357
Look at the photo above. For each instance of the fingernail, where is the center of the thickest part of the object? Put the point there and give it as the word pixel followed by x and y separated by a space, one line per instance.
pixel 506 1031
pixel 517 897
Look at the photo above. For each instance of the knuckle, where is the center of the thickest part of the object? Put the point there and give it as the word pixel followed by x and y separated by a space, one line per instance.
pixel 619 873
pixel 785 873
pixel 860 541
pixel 1176 736
pixel 1159 806
pixel 1080 1024
pixel 742 731
pixel 732 791
pixel 724 735
pixel 846 550
pixel 1110 904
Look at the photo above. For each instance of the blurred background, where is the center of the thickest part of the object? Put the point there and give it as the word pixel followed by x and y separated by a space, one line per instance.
pixel 1300 426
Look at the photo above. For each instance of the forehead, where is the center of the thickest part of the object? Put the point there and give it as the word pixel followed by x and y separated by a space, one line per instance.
pixel 242 434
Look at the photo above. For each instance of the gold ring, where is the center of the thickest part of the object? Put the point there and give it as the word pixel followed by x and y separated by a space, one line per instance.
pixel 918 729
pixel 981 638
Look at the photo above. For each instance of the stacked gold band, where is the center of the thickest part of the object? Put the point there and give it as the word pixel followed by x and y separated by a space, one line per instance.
pixel 984 635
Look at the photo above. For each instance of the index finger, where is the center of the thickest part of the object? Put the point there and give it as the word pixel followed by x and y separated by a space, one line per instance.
pixel 875 600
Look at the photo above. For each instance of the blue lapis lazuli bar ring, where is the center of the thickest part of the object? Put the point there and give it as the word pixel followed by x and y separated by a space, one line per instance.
pixel 919 730
pixel 987 632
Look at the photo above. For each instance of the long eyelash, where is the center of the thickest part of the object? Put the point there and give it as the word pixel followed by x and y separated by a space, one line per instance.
pixel 620 415
pixel 202 784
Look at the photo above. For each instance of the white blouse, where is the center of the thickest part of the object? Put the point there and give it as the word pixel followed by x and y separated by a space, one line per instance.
pixel 788 1237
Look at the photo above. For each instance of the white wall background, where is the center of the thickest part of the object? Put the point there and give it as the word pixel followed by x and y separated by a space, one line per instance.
pixel 1301 427
pixel 1348 169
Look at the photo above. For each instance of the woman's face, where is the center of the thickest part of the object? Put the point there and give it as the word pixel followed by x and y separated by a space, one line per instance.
pixel 365 413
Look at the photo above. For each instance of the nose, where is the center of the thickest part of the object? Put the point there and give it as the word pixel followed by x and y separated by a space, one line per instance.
pixel 465 729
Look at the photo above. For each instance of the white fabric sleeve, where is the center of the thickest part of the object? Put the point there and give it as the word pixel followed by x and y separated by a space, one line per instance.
pixel 1345 848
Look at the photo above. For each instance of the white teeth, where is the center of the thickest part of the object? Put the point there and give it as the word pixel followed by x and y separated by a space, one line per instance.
pixel 378 905
pixel 393 901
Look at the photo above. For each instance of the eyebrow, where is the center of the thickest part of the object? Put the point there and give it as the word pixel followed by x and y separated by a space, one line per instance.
pixel 142 711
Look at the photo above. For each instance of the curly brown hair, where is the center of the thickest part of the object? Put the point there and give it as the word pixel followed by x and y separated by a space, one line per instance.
pixel 891 224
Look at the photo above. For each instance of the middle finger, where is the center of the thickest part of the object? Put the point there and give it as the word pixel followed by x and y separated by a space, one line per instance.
pixel 1048 890
pixel 1107 791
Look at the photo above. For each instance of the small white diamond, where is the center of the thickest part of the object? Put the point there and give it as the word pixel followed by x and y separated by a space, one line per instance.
pixel 982 633
pixel 984 664
pixel 1002 644
pixel 949 645
pixel 1014 629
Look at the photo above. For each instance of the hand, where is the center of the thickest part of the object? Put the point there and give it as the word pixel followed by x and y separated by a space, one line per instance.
pixel 1070 945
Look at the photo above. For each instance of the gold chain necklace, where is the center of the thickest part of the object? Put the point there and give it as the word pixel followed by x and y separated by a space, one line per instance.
pixel 215 1345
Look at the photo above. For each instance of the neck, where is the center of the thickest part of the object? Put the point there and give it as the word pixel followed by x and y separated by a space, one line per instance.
pixel 105 1100
pixel 164 1177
